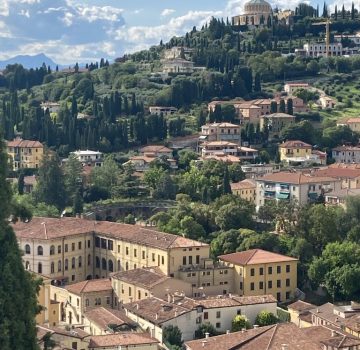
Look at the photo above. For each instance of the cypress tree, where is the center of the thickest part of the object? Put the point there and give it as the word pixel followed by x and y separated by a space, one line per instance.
pixel 226 181
pixel 18 304
pixel 290 108
pixel 352 11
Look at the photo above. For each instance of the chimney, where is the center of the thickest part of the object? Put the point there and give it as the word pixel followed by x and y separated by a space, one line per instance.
pixel 207 335
pixel 156 316
pixel 333 333
pixel 137 306
pixel 284 347
pixel 227 331
pixel 169 298
pixel 243 330
pixel 203 343
pixel 256 326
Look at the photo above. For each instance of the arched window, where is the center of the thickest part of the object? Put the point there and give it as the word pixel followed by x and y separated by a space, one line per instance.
pixel 27 266
pixel 40 250
pixel 52 269
pixel 73 263
pixel 119 265
pixel 97 262
pixel 39 267
pixel 27 249
pixel 80 261
pixel 89 260
pixel 66 264
pixel 59 265
pixel 103 264
pixel 52 250
pixel 111 266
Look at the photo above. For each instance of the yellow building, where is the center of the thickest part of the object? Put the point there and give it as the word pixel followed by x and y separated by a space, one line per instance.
pixel 25 153
pixel 294 149
pixel 260 272
pixel 245 189
pixel 300 313
pixel 352 123
pixel 141 283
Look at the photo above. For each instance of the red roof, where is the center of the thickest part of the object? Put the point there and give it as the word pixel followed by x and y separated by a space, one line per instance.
pixel 295 144
pixel 90 286
pixel 24 143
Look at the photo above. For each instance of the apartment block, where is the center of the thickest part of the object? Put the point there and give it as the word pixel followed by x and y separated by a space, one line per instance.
pixel 221 132
pixel 261 272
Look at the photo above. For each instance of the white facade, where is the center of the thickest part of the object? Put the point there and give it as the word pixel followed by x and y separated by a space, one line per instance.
pixel 290 88
pixel 53 107
pixel 346 154
pixel 162 110
pixel 89 157
pixel 320 49
pixel 178 65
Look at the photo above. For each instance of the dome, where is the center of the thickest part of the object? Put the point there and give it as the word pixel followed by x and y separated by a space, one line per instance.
pixel 257 6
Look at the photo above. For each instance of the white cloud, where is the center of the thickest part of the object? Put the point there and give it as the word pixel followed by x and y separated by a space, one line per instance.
pixel 95 13
pixel 167 12
pixel 4 8
pixel 25 13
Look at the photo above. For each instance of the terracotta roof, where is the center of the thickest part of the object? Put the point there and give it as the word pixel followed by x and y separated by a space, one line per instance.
pixel 341 173
pixel 344 166
pixel 52 228
pixel 278 115
pixel 30 180
pixel 121 339
pixel 74 333
pixel 352 120
pixel 221 125
pixel 242 185
pixel 347 148
pixel 295 178
pixel 221 143
pixel 145 277
pixel 221 157
pixel 90 286
pixel 24 143
pixel 301 306
pixel 295 144
pixel 255 256
pixel 103 317
pixel 155 149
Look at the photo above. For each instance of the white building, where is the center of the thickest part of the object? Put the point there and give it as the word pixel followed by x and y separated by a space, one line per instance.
pixel 327 102
pixel 290 88
pixel 355 38
pixel 53 107
pixel 88 157
pixel 320 49
pixel 178 65
pixel 221 132
pixel 346 154
pixel 293 186
pixel 154 314
pixel 162 110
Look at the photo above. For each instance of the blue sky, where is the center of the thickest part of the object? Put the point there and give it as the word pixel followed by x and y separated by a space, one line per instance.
pixel 85 30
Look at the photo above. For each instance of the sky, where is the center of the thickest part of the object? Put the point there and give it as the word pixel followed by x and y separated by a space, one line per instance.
pixel 71 31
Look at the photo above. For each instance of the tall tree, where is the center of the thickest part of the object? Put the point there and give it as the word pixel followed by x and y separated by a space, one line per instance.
pixel 18 303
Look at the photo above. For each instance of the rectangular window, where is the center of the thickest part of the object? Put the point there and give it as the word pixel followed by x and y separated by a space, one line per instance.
pixel 261 271
pixel 59 249
pixel 206 315
pixel 197 259
pixel 190 260
pixel 119 248
pixel 287 268
pixel 278 296
pixel 278 269
pixel 135 253
pixel 252 272
pixel 103 243
pixel 66 248
pixel 269 284
pixel 261 285
pixel 270 270
pixel 218 325
pixel 153 257
pixel 252 286
pixel 127 250
pixel 89 243
pixel 97 242
pixel 72 246
pixel 241 285
pixel 184 260
pixel 110 244
pixel 218 314
pixel 287 295
pixel 162 260
pixel 288 282
pixel 79 245
pixel 129 291
pixel 278 283
pixel 143 254
pixel 108 300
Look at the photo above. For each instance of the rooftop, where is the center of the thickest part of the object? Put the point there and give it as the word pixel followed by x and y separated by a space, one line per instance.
pixel 295 144
pixel 279 115
pixel 121 339
pixel 87 153
pixel 255 256
pixel 242 185
pixel 301 306
pixel 345 173
pixel 74 333
pixel 295 178
pixel 155 149
pixel 104 317
pixel 54 228
pixel 18 142
pixel 145 277
pixel 347 148
pixel 90 286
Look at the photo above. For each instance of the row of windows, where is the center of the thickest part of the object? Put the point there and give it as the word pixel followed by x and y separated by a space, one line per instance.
pixel 270 270
pixel 40 249
pixel 270 284
pixel 190 260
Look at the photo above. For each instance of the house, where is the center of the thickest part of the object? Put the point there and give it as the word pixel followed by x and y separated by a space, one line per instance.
pixel 158 151
pixel 300 153
pixel 349 177
pixel 102 321
pixel 222 157
pixel 355 38
pixel 275 123
pixel 92 158
pixel 261 272
pixel 53 107
pixel 137 284
pixel 74 338
pixel 339 197
pixel 133 341
pixel 25 153
pixel 327 102
pixel 178 66
pixel 71 250
pixel 290 88
pixel 248 112
pixel 178 52
pixel 283 336
pixel 300 313
pixel 188 314
pixel 245 189
pixel 352 123
pixel 29 183
pixel 219 148
pixel 320 50
pixel 221 132
pixel 255 170
pixel 298 104
pixel 159 110
pixel 84 296
pixel 247 154
pixel 294 186
pixel 346 154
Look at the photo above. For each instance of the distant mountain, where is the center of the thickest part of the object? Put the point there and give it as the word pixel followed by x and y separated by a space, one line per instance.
pixel 30 61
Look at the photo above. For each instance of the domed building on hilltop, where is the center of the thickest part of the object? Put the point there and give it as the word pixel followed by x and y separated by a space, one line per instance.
pixel 256 13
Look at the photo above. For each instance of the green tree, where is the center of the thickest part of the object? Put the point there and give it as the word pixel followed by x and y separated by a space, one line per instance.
pixel 282 107
pixel 265 318
pixel 204 328
pixel 18 301
pixel 172 336
pixel 239 322
pixel 73 178
pixel 226 181
pixel 50 188
pixel 290 108
pixel 130 219
pixel 21 183
pixel 235 215
pixel 165 187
